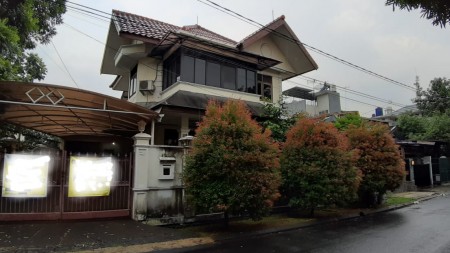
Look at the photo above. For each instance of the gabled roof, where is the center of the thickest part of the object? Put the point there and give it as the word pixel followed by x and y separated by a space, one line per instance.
pixel 270 26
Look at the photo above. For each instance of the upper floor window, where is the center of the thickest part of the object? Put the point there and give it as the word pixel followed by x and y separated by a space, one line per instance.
pixel 133 82
pixel 265 86
pixel 211 70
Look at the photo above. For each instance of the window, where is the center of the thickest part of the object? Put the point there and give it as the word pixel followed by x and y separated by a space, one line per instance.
pixel 212 74
pixel 228 77
pixel 200 71
pixel 251 82
pixel 187 69
pixel 241 80
pixel 171 70
pixel 202 68
pixel 133 82
pixel 264 87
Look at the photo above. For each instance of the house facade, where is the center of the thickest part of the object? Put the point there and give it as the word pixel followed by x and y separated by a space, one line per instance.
pixel 174 71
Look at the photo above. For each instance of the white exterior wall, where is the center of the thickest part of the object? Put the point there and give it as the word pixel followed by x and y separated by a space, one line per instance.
pixel 155 194
pixel 268 48
pixel 323 103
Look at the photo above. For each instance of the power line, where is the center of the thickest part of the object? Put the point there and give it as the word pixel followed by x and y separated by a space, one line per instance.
pixel 67 70
pixel 340 60
pixel 224 60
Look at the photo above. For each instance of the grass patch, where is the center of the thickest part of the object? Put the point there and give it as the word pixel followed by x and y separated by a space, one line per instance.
pixel 391 200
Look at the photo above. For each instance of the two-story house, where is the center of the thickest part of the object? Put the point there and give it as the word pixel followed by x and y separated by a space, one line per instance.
pixel 175 70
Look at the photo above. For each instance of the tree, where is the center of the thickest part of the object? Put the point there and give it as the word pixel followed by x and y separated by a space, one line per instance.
pixel 436 10
pixel 379 160
pixel 233 166
pixel 317 166
pixel 276 119
pixel 348 120
pixel 411 127
pixel 436 99
pixel 23 24
pixel 13 138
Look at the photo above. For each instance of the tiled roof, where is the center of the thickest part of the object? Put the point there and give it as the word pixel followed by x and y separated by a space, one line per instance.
pixel 154 29
pixel 138 25
pixel 203 32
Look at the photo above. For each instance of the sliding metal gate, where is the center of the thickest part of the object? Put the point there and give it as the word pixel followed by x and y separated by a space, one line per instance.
pixel 58 205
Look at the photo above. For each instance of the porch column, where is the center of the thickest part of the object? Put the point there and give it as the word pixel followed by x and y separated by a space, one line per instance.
pixel 140 175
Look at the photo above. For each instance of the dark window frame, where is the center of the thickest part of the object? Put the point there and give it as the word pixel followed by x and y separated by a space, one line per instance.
pixel 132 82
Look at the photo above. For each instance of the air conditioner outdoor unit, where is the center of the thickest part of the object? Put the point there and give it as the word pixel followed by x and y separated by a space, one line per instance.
pixel 146 87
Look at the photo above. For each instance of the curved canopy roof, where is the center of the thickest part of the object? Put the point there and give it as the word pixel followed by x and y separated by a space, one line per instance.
pixel 64 111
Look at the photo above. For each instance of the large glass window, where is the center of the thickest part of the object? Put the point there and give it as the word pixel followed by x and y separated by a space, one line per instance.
pixel 228 77
pixel 171 70
pixel 241 79
pixel 200 71
pixel 202 68
pixel 213 74
pixel 265 86
pixel 187 68
pixel 251 81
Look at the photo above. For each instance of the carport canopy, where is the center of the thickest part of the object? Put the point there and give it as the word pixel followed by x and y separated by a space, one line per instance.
pixel 65 111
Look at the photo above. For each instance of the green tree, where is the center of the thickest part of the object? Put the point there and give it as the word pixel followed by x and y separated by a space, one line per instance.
pixel 277 120
pixel 379 161
pixel 233 166
pixel 23 24
pixel 348 120
pixel 436 10
pixel 411 127
pixel 438 128
pixel 436 99
pixel 317 166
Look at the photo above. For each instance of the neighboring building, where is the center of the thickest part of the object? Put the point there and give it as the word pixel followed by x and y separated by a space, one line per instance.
pixel 176 70
pixel 324 102
pixel 390 116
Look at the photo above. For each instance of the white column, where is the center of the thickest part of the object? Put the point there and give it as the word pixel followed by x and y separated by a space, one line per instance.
pixel 140 178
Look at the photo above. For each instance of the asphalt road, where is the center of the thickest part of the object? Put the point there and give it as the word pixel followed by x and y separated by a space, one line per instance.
pixel 423 227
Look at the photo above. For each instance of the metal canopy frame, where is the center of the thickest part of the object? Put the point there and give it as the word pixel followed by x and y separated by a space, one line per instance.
pixel 64 111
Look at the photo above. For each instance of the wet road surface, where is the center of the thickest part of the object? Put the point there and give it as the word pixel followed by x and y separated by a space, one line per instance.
pixel 423 227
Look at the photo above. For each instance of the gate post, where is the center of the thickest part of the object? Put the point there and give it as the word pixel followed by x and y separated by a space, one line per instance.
pixel 140 178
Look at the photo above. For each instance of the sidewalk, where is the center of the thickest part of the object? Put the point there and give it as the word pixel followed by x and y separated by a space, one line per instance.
pixel 124 235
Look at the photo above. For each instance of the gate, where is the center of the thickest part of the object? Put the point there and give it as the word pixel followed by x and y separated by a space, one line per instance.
pixel 58 205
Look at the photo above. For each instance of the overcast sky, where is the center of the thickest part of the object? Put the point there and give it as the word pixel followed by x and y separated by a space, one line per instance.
pixel 398 45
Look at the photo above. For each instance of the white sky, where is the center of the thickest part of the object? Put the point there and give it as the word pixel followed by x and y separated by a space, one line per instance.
pixel 398 45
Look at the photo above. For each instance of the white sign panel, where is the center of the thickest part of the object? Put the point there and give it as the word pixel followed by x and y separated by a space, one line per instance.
pixel 25 176
pixel 90 176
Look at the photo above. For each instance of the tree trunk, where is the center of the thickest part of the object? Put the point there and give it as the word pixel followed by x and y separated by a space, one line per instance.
pixel 312 212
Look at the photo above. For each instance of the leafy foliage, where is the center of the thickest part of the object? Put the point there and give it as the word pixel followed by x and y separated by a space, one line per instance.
pixel 411 127
pixel 348 120
pixel 276 119
pixel 23 139
pixel 436 99
pixel 317 167
pixel 23 24
pixel 233 165
pixel 379 160
pixel 436 10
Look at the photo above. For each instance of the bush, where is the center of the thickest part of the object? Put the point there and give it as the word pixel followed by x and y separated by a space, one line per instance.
pixel 233 165
pixel 317 166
